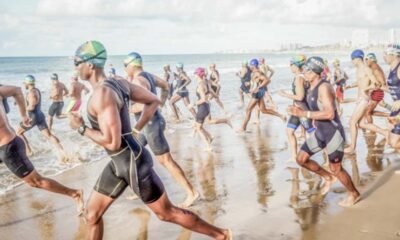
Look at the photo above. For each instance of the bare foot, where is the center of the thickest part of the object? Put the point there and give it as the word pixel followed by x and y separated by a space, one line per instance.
pixel 327 185
pixel 227 235
pixel 349 150
pixel 78 198
pixel 190 199
pixel 350 200
pixel 229 122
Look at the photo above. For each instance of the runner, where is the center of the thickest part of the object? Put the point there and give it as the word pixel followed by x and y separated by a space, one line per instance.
pixel 181 92
pixel 13 155
pixel 268 72
pixel 245 77
pixel 34 102
pixel 57 94
pixel 214 84
pixel 329 133
pixel 169 78
pixel 153 132
pixel 298 96
pixel 203 108
pixel 339 77
pixel 75 94
pixel 260 81
pixel 365 81
pixel 131 164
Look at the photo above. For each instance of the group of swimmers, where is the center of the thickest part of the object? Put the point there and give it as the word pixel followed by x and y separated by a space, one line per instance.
pixel 114 100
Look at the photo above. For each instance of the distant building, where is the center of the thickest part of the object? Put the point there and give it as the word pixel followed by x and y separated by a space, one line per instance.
pixel 393 36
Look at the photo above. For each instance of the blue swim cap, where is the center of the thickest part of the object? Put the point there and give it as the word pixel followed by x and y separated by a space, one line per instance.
pixel 253 62
pixel 315 64
pixel 358 53
pixel 179 65
pixel 133 58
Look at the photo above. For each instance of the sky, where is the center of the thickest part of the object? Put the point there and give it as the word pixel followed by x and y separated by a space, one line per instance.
pixel 58 27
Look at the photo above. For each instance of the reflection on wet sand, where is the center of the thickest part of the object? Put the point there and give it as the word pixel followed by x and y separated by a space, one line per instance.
pixel 260 155
pixel 45 223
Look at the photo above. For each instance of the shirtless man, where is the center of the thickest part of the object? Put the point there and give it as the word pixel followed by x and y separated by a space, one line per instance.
pixel 131 164
pixel 260 81
pixel 366 81
pixel 57 94
pixel 13 154
pixel 34 101
pixel 268 72
pixel 329 133
pixel 75 94
pixel 339 77
pixel 153 133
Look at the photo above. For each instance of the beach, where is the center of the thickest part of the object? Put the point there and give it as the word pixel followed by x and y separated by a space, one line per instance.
pixel 246 183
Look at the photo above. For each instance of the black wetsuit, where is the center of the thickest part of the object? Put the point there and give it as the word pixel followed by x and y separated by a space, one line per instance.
pixel 153 132
pixel 246 79
pixel 393 82
pixel 213 79
pixel 294 122
pixel 329 134
pixel 203 109
pixel 14 156
pixel 37 116
pixel 183 92
pixel 132 164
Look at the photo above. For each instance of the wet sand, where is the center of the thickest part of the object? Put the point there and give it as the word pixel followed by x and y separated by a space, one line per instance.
pixel 244 185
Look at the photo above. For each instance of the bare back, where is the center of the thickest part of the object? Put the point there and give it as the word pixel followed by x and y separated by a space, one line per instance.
pixel 363 79
pixel 6 131
pixel 76 90
pixel 58 91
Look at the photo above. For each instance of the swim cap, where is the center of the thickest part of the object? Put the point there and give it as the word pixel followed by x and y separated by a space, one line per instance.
pixel 54 76
pixel 298 60
pixel 179 65
pixel 371 56
pixel 92 52
pixel 358 53
pixel 254 62
pixel 133 58
pixel 393 49
pixel 29 79
pixel 315 64
pixel 336 62
pixel 201 72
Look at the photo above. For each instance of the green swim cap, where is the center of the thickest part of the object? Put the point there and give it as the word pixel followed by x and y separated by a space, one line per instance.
pixel 134 59
pixel 92 52
pixel 29 79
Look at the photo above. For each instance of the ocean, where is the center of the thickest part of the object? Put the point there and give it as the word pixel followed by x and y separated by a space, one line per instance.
pixel 83 151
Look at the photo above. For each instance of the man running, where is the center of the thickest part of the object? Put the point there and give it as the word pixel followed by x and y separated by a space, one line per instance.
pixel 268 72
pixel 260 81
pixel 57 94
pixel 181 92
pixel 298 97
pixel 329 133
pixel 75 94
pixel 34 102
pixel 365 82
pixel 169 78
pixel 131 164
pixel 153 132
pixel 12 151
pixel 245 78
pixel 339 77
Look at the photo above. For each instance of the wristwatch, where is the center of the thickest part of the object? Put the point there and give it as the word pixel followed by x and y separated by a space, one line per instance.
pixel 82 129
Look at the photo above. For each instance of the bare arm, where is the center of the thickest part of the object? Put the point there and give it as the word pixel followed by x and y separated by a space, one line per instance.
pixel 65 90
pixel 187 82
pixel 271 72
pixel 300 92
pixel 33 100
pixel 326 97
pixel 161 83
pixel 16 93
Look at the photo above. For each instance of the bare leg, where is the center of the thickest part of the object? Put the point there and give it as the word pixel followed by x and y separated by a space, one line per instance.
pixel 293 143
pixel 268 97
pixel 35 180
pixel 176 171
pixel 250 107
pixel 50 123
pixel 172 102
pixel 220 104
pixel 303 159
pixel 53 139
pixel 165 211
pixel 345 179
pixel 186 101
pixel 20 133
pixel 226 121
pixel 96 207
pixel 265 110
pixel 241 95
pixel 357 116
pixel 204 134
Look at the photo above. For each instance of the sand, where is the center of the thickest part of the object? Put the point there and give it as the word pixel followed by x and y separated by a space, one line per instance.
pixel 244 185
